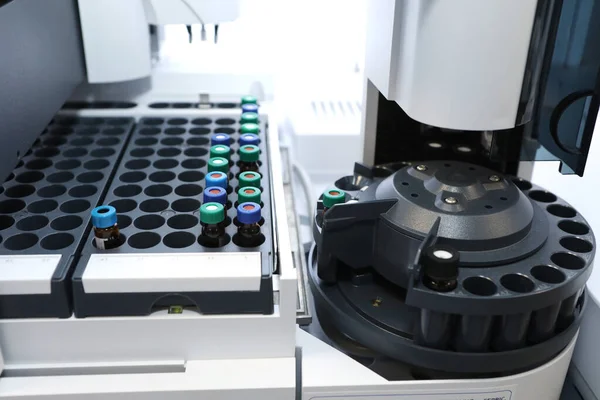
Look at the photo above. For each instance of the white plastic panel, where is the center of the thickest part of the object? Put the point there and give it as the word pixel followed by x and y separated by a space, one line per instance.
pixel 29 274
pixel 116 40
pixel 452 64
pixel 186 272
pixel 161 12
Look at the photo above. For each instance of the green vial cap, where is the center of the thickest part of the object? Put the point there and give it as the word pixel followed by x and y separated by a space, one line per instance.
pixel 250 128
pixel 249 100
pixel 332 197
pixel 220 150
pixel 249 179
pixel 249 194
pixel 218 164
pixel 212 213
pixel 249 153
pixel 249 118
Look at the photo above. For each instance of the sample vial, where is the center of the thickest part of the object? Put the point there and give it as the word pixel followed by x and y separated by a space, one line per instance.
pixel 249 194
pixel 248 100
pixel 249 117
pixel 215 194
pixel 212 219
pixel 106 231
pixel 220 150
pixel 249 138
pixel 249 215
pixel 249 178
pixel 217 178
pixel 249 156
pixel 218 164
pixel 250 108
pixel 250 128
pixel 332 197
pixel 220 138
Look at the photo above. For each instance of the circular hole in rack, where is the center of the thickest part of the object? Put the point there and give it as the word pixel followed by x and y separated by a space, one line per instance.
pixel 188 190
pixel 159 190
pixel 42 206
pixel 225 121
pixel 152 121
pixel 118 121
pixel 105 152
pixel 63 131
pixel 123 221
pixel 96 164
pixel 83 191
pixel 149 222
pixel 166 163
pixel 177 121
pixel 32 223
pixel 52 191
pixel 132 177
pixel 9 178
pixel 169 152
pixel 201 121
pixel 149 131
pixel 137 164
pixel 193 163
pixel 74 206
pixel 561 211
pixel 92 121
pixel 144 240
pixel 577 245
pixel 174 131
pixel 57 241
pixel 185 205
pixel 47 152
pixel 60 177
pixel 179 240
pixel 182 105
pixel 517 283
pixel 547 274
pixel 68 164
pixel 568 261
pixel 54 141
pixel 38 163
pixel 229 131
pixel 199 131
pixel 172 141
pixel 182 221
pixel 479 286
pixel 124 205
pixel 20 191
pixel 6 221
pixel 90 177
pixel 82 141
pixel 158 105
pixel 30 177
pixel 113 131
pixel 88 131
pixel 148 141
pixel 542 196
pixel 66 223
pixel 162 176
pixel 195 152
pixel 127 191
pixel 21 241
pixel 75 152
pixel 191 176
pixel 154 205
pixel 198 141
pixel 141 152
pixel 11 206
pixel 574 228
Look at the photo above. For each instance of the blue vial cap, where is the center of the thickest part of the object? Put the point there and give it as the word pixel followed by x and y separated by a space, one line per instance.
pixel 220 138
pixel 249 138
pixel 216 179
pixel 250 108
pixel 215 194
pixel 248 213
pixel 104 217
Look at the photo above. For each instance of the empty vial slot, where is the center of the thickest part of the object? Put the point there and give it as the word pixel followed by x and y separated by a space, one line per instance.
pixel 38 163
pixel 159 190
pixel 188 190
pixel 124 205
pixel 137 164
pixel 202 121
pixel 19 191
pixel 149 222
pixel 193 163
pixel 42 206
pixel 169 152
pixel 66 223
pixel 182 221
pixel 132 177
pixel 572 227
pixel 52 191
pixel 198 141
pixel 152 121
pixel 568 261
pixel 195 152
pixel 75 152
pixel 6 221
pixel 144 240
pixel 21 241
pixel 142 152
pixel 11 206
pixel 174 131
pixel 123 221
pixel 30 177
pixel 179 240
pixel 127 191
pixel 60 177
pixel 229 131
pixel 199 131
pixel 82 141
pixel 113 131
pixel 191 176
pixel 83 191
pixel 162 176
pixel 48 152
pixel 57 241
pixel 185 205
pixel 147 141
pixel 149 131
pixel 225 121
pixel 177 121
pixel 153 205
pixel 90 177
pixel 167 163
pixel 68 164
pixel 96 164
pixel 32 223
pixel 573 244
pixel 88 131
pixel 104 152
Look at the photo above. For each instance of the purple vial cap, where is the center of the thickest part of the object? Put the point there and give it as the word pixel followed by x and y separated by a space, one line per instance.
pixel 248 213
pixel 215 194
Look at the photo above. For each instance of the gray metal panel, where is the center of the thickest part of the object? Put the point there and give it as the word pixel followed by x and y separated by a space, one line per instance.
pixel 41 63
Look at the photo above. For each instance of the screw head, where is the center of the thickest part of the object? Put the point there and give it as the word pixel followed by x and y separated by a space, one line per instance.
pixel 421 167
pixel 494 178
pixel 450 200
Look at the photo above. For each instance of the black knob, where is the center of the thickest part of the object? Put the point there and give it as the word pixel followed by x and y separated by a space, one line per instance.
pixel 440 267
